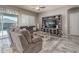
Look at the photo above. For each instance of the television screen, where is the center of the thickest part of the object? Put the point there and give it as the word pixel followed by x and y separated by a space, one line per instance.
pixel 51 23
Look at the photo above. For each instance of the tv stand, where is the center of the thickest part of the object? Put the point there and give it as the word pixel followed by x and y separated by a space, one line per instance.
pixel 52 25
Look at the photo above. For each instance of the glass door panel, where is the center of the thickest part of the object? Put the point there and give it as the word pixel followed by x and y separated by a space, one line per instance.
pixel 0 33
pixel 6 22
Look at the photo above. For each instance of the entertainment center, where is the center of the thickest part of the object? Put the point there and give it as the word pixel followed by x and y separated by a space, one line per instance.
pixel 52 25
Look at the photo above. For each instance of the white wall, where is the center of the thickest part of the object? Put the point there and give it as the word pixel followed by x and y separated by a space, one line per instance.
pixel 62 11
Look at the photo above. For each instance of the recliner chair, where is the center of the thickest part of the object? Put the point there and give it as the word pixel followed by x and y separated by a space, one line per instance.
pixel 25 43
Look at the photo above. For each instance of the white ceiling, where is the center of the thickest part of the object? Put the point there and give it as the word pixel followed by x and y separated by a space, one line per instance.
pixel 47 7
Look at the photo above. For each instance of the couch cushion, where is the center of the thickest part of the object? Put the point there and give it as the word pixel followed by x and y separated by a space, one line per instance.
pixel 27 35
pixel 24 42
pixel 16 41
pixel 36 40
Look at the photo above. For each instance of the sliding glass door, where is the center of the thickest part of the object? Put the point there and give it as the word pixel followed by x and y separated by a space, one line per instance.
pixel 0 32
pixel 6 21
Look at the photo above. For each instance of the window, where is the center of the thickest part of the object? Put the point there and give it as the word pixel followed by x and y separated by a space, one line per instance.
pixel 6 21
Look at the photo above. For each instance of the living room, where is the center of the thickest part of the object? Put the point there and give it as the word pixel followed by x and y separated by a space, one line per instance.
pixel 39 29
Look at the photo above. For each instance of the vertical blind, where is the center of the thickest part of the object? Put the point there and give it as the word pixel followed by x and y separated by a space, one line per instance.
pixel 27 20
pixel 23 19
pixel 31 21
pixel 9 11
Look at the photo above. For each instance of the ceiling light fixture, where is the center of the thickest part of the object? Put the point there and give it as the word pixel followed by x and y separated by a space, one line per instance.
pixel 39 7
pixel 42 6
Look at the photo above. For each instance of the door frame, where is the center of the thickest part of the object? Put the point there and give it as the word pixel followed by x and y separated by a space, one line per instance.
pixel 72 10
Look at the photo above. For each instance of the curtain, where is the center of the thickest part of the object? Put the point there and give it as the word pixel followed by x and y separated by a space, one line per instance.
pixel 27 20
pixel 23 18
pixel 31 21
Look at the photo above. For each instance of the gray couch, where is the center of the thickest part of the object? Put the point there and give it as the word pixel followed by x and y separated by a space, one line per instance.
pixel 24 43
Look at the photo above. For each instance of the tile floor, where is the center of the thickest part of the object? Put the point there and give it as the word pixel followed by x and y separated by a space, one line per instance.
pixel 51 44
pixel 61 45
pixel 5 46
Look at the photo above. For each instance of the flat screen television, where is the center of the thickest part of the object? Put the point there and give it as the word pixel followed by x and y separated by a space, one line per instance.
pixel 50 24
